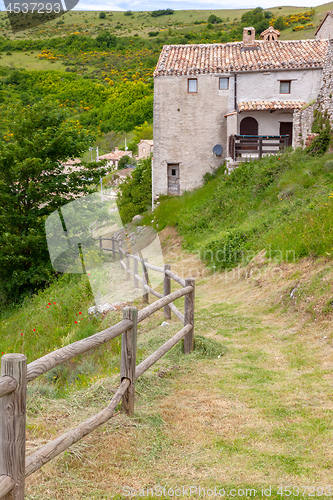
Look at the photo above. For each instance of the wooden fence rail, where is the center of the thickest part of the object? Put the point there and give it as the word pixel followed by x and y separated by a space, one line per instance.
pixel 15 373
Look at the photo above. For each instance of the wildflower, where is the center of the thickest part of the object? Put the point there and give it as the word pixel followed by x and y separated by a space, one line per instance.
pixel 80 312
pixel 21 334
pixel 76 322
pixel 34 329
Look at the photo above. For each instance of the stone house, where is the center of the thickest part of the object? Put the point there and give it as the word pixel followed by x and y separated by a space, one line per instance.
pixel 325 28
pixel 227 102
pixel 145 148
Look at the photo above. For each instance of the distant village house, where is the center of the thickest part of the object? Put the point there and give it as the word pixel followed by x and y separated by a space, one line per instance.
pixel 114 157
pixel 145 148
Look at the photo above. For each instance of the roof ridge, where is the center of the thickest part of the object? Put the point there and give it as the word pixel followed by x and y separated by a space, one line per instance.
pixel 194 59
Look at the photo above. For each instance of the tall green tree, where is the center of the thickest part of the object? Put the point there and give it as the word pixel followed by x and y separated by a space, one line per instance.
pixel 280 24
pixel 33 183
pixel 134 194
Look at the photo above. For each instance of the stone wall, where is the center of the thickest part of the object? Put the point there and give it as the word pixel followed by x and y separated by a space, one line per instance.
pixel 303 119
pixel 187 126
pixel 302 125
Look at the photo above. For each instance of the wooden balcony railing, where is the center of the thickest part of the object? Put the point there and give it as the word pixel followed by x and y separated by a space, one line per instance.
pixel 243 147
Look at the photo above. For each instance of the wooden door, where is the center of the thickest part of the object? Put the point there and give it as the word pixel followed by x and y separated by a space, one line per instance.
pixel 173 178
pixel 286 128
pixel 249 126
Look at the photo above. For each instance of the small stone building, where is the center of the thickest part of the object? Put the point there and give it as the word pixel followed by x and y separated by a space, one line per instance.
pixel 213 100
pixel 145 148
pixel 325 28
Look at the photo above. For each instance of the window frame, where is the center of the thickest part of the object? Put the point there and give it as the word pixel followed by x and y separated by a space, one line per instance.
pixel 224 78
pixel 284 82
pixel 188 85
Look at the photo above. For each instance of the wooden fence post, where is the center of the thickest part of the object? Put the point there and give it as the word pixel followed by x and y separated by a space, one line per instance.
pixel 260 147
pixel 128 358
pixel 12 424
pixel 189 316
pixel 127 263
pixel 145 281
pixel 135 271
pixel 100 242
pixel 167 290
pixel 114 249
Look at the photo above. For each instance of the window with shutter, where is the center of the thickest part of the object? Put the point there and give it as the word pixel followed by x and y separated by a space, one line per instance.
pixel 192 85
pixel 285 86
pixel 224 83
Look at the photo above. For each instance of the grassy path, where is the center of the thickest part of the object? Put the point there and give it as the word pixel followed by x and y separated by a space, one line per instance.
pixel 258 416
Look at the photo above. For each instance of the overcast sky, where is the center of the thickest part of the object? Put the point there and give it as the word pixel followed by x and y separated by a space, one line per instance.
pixel 188 4
pixel 182 4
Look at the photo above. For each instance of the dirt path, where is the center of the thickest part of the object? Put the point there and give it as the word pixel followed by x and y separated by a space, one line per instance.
pixel 258 416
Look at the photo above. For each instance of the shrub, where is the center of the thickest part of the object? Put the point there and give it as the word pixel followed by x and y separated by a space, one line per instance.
pixel 280 24
pixel 320 144
pixel 162 12
pixel 102 15
pixel 213 19
pixel 228 249
pixel 320 125
pixel 134 195
pixel 124 162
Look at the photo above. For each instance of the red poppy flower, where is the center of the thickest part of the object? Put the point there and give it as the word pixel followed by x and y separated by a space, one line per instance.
pixel 21 333
pixel 76 322
pixel 80 312
pixel 34 329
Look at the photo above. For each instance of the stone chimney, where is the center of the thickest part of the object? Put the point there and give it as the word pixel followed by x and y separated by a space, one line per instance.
pixel 249 36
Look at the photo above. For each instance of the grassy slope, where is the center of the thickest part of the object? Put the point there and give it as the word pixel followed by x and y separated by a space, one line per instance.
pixel 259 415
pixel 283 204
pixel 251 407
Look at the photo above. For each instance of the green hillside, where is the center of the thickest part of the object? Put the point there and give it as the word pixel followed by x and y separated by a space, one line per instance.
pixel 283 204
pixel 142 24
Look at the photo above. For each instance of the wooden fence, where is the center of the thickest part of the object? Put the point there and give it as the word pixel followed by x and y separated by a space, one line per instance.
pixel 15 373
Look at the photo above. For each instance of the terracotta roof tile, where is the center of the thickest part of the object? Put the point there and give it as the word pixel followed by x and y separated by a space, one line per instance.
pixel 269 105
pixel 227 57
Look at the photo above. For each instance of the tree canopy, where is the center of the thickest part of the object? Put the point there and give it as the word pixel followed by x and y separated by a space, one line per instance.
pixel 134 195
pixel 34 182
pixel 257 18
